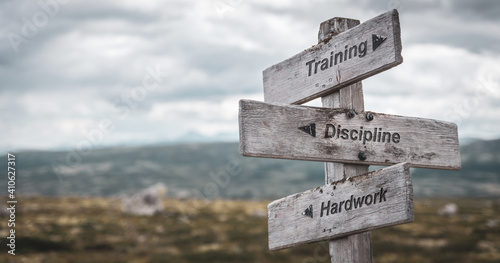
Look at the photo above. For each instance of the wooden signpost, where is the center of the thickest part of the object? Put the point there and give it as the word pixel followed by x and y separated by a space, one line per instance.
pixel 352 202
pixel 360 203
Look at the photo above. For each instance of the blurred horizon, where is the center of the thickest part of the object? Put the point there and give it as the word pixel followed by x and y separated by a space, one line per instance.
pixel 218 170
pixel 185 140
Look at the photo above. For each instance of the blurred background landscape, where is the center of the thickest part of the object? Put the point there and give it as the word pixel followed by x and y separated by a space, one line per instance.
pixel 100 100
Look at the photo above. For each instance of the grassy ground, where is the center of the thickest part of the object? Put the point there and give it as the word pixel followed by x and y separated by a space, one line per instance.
pixel 95 230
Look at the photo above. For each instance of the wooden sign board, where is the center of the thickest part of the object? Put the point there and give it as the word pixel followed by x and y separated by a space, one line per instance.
pixel 363 51
pixel 357 204
pixel 330 135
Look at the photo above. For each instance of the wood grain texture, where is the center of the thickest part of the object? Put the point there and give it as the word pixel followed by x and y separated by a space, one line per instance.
pixel 272 131
pixel 352 248
pixel 335 26
pixel 353 205
pixel 356 247
pixel 293 81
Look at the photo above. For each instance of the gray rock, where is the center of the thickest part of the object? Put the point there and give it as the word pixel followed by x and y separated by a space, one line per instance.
pixel 450 209
pixel 146 202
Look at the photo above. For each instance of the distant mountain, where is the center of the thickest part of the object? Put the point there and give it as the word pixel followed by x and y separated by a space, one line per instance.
pixel 468 140
pixel 217 170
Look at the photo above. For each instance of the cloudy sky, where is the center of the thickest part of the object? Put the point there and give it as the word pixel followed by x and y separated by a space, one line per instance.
pixel 141 72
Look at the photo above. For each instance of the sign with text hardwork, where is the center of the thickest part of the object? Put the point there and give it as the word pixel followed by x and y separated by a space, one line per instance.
pixel 363 51
pixel 340 135
pixel 357 204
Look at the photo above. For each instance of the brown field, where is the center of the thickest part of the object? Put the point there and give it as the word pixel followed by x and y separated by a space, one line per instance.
pixel 95 230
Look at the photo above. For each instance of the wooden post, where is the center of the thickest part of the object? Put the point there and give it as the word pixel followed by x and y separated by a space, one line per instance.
pixel 354 248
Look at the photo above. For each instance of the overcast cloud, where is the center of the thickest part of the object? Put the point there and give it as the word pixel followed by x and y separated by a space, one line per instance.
pixel 160 71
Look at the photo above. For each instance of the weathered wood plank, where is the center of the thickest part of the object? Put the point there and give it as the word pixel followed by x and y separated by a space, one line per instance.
pixel 322 134
pixel 363 51
pixel 353 205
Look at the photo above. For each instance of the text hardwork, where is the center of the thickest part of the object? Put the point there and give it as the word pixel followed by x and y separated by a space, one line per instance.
pixel 330 208
pixel 377 135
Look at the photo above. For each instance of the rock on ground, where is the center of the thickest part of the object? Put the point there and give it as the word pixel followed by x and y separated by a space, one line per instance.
pixel 448 210
pixel 146 202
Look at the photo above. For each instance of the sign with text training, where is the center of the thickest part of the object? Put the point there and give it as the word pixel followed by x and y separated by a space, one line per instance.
pixel 358 53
